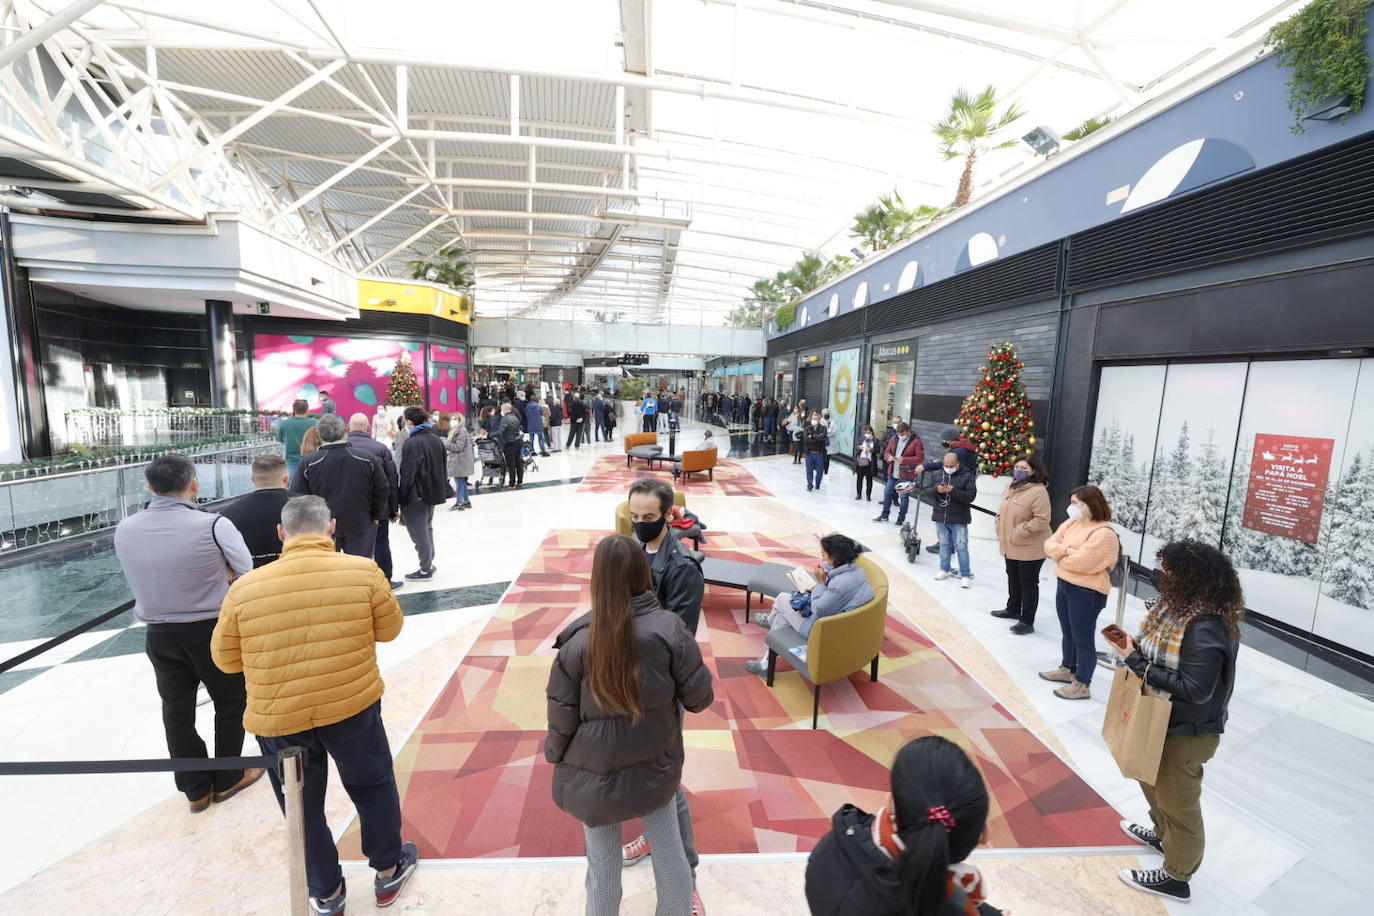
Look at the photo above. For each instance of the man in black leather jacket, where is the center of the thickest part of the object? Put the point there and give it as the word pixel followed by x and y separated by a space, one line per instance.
pixel 680 587
pixel 351 481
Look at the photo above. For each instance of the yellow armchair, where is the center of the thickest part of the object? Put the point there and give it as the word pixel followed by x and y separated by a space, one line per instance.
pixel 837 646
pixel 622 513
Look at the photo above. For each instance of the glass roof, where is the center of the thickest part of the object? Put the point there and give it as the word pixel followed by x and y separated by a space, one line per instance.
pixel 666 153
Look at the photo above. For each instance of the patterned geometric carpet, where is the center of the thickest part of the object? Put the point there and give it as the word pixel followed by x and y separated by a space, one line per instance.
pixel 609 475
pixel 474 782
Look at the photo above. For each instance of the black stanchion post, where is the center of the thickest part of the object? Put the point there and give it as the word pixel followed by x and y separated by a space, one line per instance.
pixel 292 768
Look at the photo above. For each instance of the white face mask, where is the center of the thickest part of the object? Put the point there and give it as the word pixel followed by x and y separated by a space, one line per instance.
pixel 1075 513
pixel 949 471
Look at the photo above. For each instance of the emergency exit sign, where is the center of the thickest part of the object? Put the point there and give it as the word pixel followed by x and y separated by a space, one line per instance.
pixel 264 308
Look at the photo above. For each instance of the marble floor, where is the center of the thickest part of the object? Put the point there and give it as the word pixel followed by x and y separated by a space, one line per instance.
pixel 1288 798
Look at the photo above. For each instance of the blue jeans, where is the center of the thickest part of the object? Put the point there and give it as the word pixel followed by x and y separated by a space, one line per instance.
pixel 815 466
pixel 1078 608
pixel 539 440
pixel 953 538
pixel 770 427
pixel 890 495
pixel 460 488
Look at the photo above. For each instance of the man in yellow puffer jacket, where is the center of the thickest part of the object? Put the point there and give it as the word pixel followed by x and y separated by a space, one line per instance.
pixel 303 630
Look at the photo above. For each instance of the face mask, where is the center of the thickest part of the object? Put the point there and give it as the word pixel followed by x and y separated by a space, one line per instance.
pixel 1075 513
pixel 1020 473
pixel 647 531
pixel 949 471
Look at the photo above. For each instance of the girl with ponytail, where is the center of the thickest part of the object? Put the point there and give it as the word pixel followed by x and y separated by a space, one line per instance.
pixel 907 859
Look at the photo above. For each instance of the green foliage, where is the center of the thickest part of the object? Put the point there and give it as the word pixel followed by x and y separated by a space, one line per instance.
pixel 1087 127
pixel 632 389
pixel 450 265
pixel 83 456
pixel 889 221
pixel 1322 45
pixel 972 126
pixel 786 315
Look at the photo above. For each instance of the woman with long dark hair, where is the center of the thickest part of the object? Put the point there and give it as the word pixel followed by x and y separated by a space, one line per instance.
pixel 907 859
pixel 1186 650
pixel 616 692
pixel 1023 524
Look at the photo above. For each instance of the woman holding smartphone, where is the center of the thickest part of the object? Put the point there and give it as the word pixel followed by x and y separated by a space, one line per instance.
pixel 1084 548
pixel 616 692
pixel 1186 650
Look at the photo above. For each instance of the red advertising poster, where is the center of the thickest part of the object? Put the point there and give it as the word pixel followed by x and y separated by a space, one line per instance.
pixel 1288 486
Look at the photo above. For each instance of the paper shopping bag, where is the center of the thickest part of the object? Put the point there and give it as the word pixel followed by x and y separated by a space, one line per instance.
pixel 1134 726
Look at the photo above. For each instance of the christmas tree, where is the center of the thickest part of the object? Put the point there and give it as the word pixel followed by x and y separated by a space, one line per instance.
pixel 402 390
pixel 997 415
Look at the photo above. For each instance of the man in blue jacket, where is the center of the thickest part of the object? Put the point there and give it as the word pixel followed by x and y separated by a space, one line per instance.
pixel 534 425
pixel 650 409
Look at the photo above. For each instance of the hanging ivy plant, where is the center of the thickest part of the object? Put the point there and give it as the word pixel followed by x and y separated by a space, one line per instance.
pixel 1323 47
pixel 785 315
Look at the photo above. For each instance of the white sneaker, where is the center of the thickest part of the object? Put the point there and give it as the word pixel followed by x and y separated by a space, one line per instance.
pixel 942 574
pixel 965 582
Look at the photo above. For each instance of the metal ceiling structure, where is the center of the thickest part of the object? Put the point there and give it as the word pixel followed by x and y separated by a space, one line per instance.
pixel 639 160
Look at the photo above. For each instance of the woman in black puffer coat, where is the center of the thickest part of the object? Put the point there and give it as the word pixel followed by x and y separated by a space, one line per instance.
pixel 616 692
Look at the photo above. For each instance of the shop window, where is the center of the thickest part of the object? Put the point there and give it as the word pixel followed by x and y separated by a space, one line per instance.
pixel 910 274
pixel 1192 165
pixel 834 305
pixel 861 295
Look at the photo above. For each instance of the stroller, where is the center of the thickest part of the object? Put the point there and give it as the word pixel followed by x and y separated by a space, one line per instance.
pixel 493 463
pixel 527 454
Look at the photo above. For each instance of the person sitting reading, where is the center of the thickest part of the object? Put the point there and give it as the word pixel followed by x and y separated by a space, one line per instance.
pixel 840 586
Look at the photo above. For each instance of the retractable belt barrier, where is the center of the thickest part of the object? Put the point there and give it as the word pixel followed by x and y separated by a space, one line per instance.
pixel 56 641
pixel 289 766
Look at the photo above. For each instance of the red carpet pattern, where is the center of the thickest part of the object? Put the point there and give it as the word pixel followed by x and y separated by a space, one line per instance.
pixel 474 782
pixel 609 475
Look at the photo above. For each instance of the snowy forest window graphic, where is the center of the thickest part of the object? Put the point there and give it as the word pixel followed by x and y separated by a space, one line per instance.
pixel 1243 456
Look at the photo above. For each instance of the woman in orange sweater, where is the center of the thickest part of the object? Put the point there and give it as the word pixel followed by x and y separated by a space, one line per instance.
pixel 1084 548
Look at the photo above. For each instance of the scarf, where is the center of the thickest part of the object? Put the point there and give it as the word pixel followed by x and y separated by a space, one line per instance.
pixel 962 875
pixel 1160 640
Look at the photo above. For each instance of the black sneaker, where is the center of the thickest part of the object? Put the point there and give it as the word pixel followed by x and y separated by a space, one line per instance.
pixel 881 518
pixel 331 907
pixel 1007 615
pixel 388 889
pixel 1021 629
pixel 1156 881
pixel 1143 835
pixel 420 574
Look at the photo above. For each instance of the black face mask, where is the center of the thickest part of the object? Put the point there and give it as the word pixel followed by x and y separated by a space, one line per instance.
pixel 647 531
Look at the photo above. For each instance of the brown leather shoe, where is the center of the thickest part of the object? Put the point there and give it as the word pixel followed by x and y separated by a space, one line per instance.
pixel 249 777
pixel 200 804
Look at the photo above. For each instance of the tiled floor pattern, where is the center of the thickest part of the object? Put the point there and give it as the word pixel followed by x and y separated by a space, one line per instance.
pixel 610 475
pixel 475 783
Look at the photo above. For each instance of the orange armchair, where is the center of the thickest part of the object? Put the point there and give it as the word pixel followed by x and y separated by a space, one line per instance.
pixel 704 460
pixel 633 440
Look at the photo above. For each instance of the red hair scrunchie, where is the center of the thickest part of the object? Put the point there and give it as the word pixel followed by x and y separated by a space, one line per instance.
pixel 940 815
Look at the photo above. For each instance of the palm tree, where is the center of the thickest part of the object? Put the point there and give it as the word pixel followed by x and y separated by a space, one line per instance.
pixel 890 221
pixel 1087 127
pixel 970 129
pixel 449 266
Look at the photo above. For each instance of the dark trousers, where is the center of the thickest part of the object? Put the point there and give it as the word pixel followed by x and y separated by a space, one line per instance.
pixel 360 541
pixel 419 522
pixel 770 427
pixel 180 655
pixel 381 551
pixel 862 473
pixel 515 463
pixel 578 433
pixel 599 429
pixel 1023 588
pixel 815 467
pixel 359 747
pixel 1078 608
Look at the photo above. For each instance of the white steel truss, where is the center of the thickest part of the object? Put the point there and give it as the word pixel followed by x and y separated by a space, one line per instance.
pixel 572 183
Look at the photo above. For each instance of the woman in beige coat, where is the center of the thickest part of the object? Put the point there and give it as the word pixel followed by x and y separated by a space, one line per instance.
pixel 1023 524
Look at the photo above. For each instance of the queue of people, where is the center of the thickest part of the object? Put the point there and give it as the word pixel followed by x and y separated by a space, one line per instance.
pixel 229 607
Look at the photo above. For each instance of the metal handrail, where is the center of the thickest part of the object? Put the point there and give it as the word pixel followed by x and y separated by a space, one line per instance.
pixel 58 475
